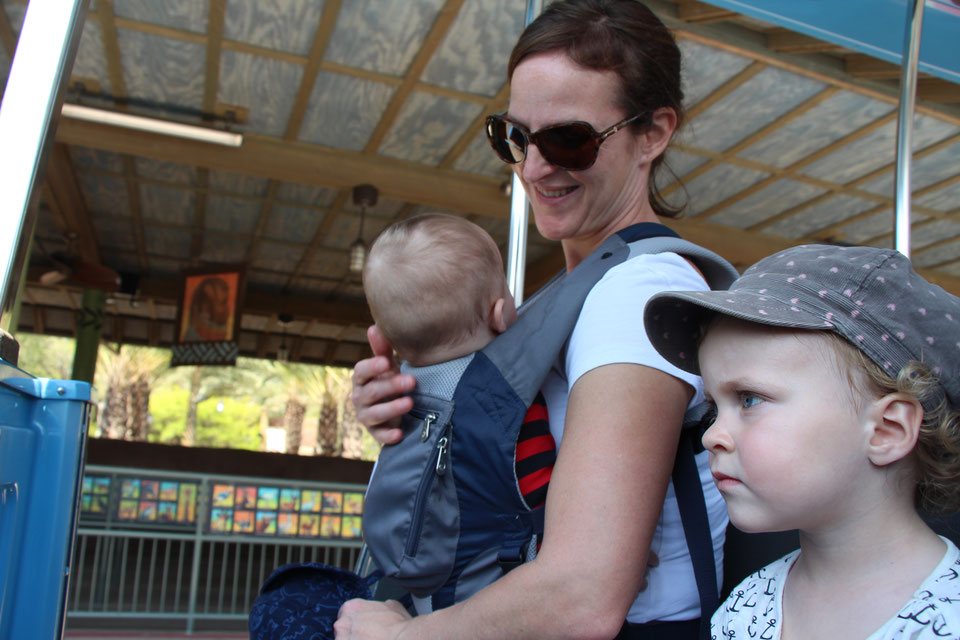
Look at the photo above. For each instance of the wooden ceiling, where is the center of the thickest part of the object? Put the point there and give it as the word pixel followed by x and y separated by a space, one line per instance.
pixel 789 140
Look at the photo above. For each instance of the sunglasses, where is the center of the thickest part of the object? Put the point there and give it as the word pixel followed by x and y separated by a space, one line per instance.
pixel 571 145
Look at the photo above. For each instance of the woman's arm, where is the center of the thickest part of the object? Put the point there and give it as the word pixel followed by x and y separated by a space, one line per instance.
pixel 606 494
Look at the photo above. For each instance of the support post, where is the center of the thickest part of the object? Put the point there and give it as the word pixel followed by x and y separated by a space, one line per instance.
pixel 46 47
pixel 519 209
pixel 908 95
pixel 88 335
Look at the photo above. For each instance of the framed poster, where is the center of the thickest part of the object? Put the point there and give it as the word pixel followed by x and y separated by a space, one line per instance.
pixel 208 319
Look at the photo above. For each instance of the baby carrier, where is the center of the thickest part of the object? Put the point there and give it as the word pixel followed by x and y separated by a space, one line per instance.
pixel 444 515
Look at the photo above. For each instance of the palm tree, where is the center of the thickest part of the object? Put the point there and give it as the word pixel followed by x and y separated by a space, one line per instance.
pixel 127 374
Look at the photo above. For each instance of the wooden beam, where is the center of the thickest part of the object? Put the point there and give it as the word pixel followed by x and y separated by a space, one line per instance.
pixel 786 41
pixel 304 163
pixel 938 90
pixel 199 213
pixel 8 39
pixel 432 41
pixel 692 11
pixel 754 137
pixel 328 20
pixel 317 240
pixel 725 89
pixel 63 195
pixel 266 302
pixel 216 16
pixel 721 39
pixel 866 67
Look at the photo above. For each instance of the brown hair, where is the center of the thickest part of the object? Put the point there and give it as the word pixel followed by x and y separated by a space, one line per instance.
pixel 430 281
pixel 622 36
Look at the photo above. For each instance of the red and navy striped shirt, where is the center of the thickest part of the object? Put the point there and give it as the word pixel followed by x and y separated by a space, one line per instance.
pixel 536 454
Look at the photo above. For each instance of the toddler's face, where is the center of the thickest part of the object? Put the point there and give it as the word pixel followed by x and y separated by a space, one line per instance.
pixel 788 447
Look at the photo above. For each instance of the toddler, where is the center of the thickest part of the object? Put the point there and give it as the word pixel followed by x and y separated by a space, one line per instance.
pixel 835 376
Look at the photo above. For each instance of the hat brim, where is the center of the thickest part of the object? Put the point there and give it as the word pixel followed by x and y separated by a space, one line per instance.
pixel 674 320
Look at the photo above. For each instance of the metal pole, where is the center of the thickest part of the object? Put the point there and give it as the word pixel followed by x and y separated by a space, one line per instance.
pixel 908 91
pixel 519 209
pixel 44 55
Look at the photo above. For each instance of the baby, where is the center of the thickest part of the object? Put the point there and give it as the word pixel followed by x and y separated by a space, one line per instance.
pixel 835 375
pixel 436 288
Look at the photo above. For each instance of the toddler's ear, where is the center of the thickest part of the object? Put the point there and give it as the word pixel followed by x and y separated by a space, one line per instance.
pixel 895 428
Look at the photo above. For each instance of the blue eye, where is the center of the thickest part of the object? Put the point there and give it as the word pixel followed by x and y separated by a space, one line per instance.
pixel 748 399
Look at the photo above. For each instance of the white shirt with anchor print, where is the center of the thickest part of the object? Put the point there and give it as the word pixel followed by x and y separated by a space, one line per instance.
pixel 754 608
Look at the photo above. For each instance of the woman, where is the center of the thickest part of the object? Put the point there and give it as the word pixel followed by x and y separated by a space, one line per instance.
pixel 615 405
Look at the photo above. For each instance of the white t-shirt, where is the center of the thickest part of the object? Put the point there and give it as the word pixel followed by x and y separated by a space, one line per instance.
pixel 610 330
pixel 755 606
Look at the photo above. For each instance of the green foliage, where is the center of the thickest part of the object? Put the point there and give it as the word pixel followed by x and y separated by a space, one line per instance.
pixel 222 422
pixel 46 356
pixel 168 412
pixel 229 422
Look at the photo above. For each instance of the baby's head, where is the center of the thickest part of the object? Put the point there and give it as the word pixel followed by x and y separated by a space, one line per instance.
pixel 436 287
pixel 858 316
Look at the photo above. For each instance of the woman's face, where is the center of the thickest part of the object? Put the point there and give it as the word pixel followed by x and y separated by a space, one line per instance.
pixel 581 208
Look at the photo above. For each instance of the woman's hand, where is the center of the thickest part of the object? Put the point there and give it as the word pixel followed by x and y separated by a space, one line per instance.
pixel 378 390
pixel 370 620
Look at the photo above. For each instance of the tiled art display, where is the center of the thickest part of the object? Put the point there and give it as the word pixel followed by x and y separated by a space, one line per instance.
pixel 285 511
pixel 240 508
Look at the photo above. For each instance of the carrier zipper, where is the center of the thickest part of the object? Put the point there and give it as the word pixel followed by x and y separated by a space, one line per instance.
pixel 441 454
pixel 428 420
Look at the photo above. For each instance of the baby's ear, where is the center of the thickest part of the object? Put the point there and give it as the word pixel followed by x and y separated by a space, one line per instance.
pixel 498 316
pixel 895 428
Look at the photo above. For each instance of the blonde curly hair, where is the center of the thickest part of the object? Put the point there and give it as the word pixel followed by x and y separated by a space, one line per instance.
pixel 937 453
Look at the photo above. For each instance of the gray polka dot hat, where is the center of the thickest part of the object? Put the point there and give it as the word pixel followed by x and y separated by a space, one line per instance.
pixel 871 297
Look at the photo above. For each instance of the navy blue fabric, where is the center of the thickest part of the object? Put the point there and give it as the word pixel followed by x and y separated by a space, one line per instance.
pixel 301 601
pixel 696 529
pixel 493 514
pixel 643 230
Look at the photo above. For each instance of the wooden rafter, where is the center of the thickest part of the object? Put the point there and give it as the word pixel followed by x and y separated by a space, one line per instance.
pixel 938 90
pixel 474 127
pixel 866 67
pixel 756 136
pixel 432 41
pixel 266 207
pixel 712 38
pixel 199 213
pixel 63 195
pixel 303 163
pixel 792 172
pixel 786 41
pixel 216 17
pixel 692 11
pixel 887 203
pixel 133 201
pixel 8 39
pixel 328 20
pixel 322 229
pixel 724 90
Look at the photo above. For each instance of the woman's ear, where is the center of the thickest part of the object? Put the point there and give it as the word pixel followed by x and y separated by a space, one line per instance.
pixel 895 427
pixel 656 136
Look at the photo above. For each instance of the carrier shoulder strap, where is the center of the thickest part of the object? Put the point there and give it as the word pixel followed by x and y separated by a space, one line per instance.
pixel 547 319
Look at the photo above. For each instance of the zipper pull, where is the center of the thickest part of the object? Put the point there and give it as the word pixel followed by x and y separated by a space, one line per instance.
pixel 427 422
pixel 442 456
